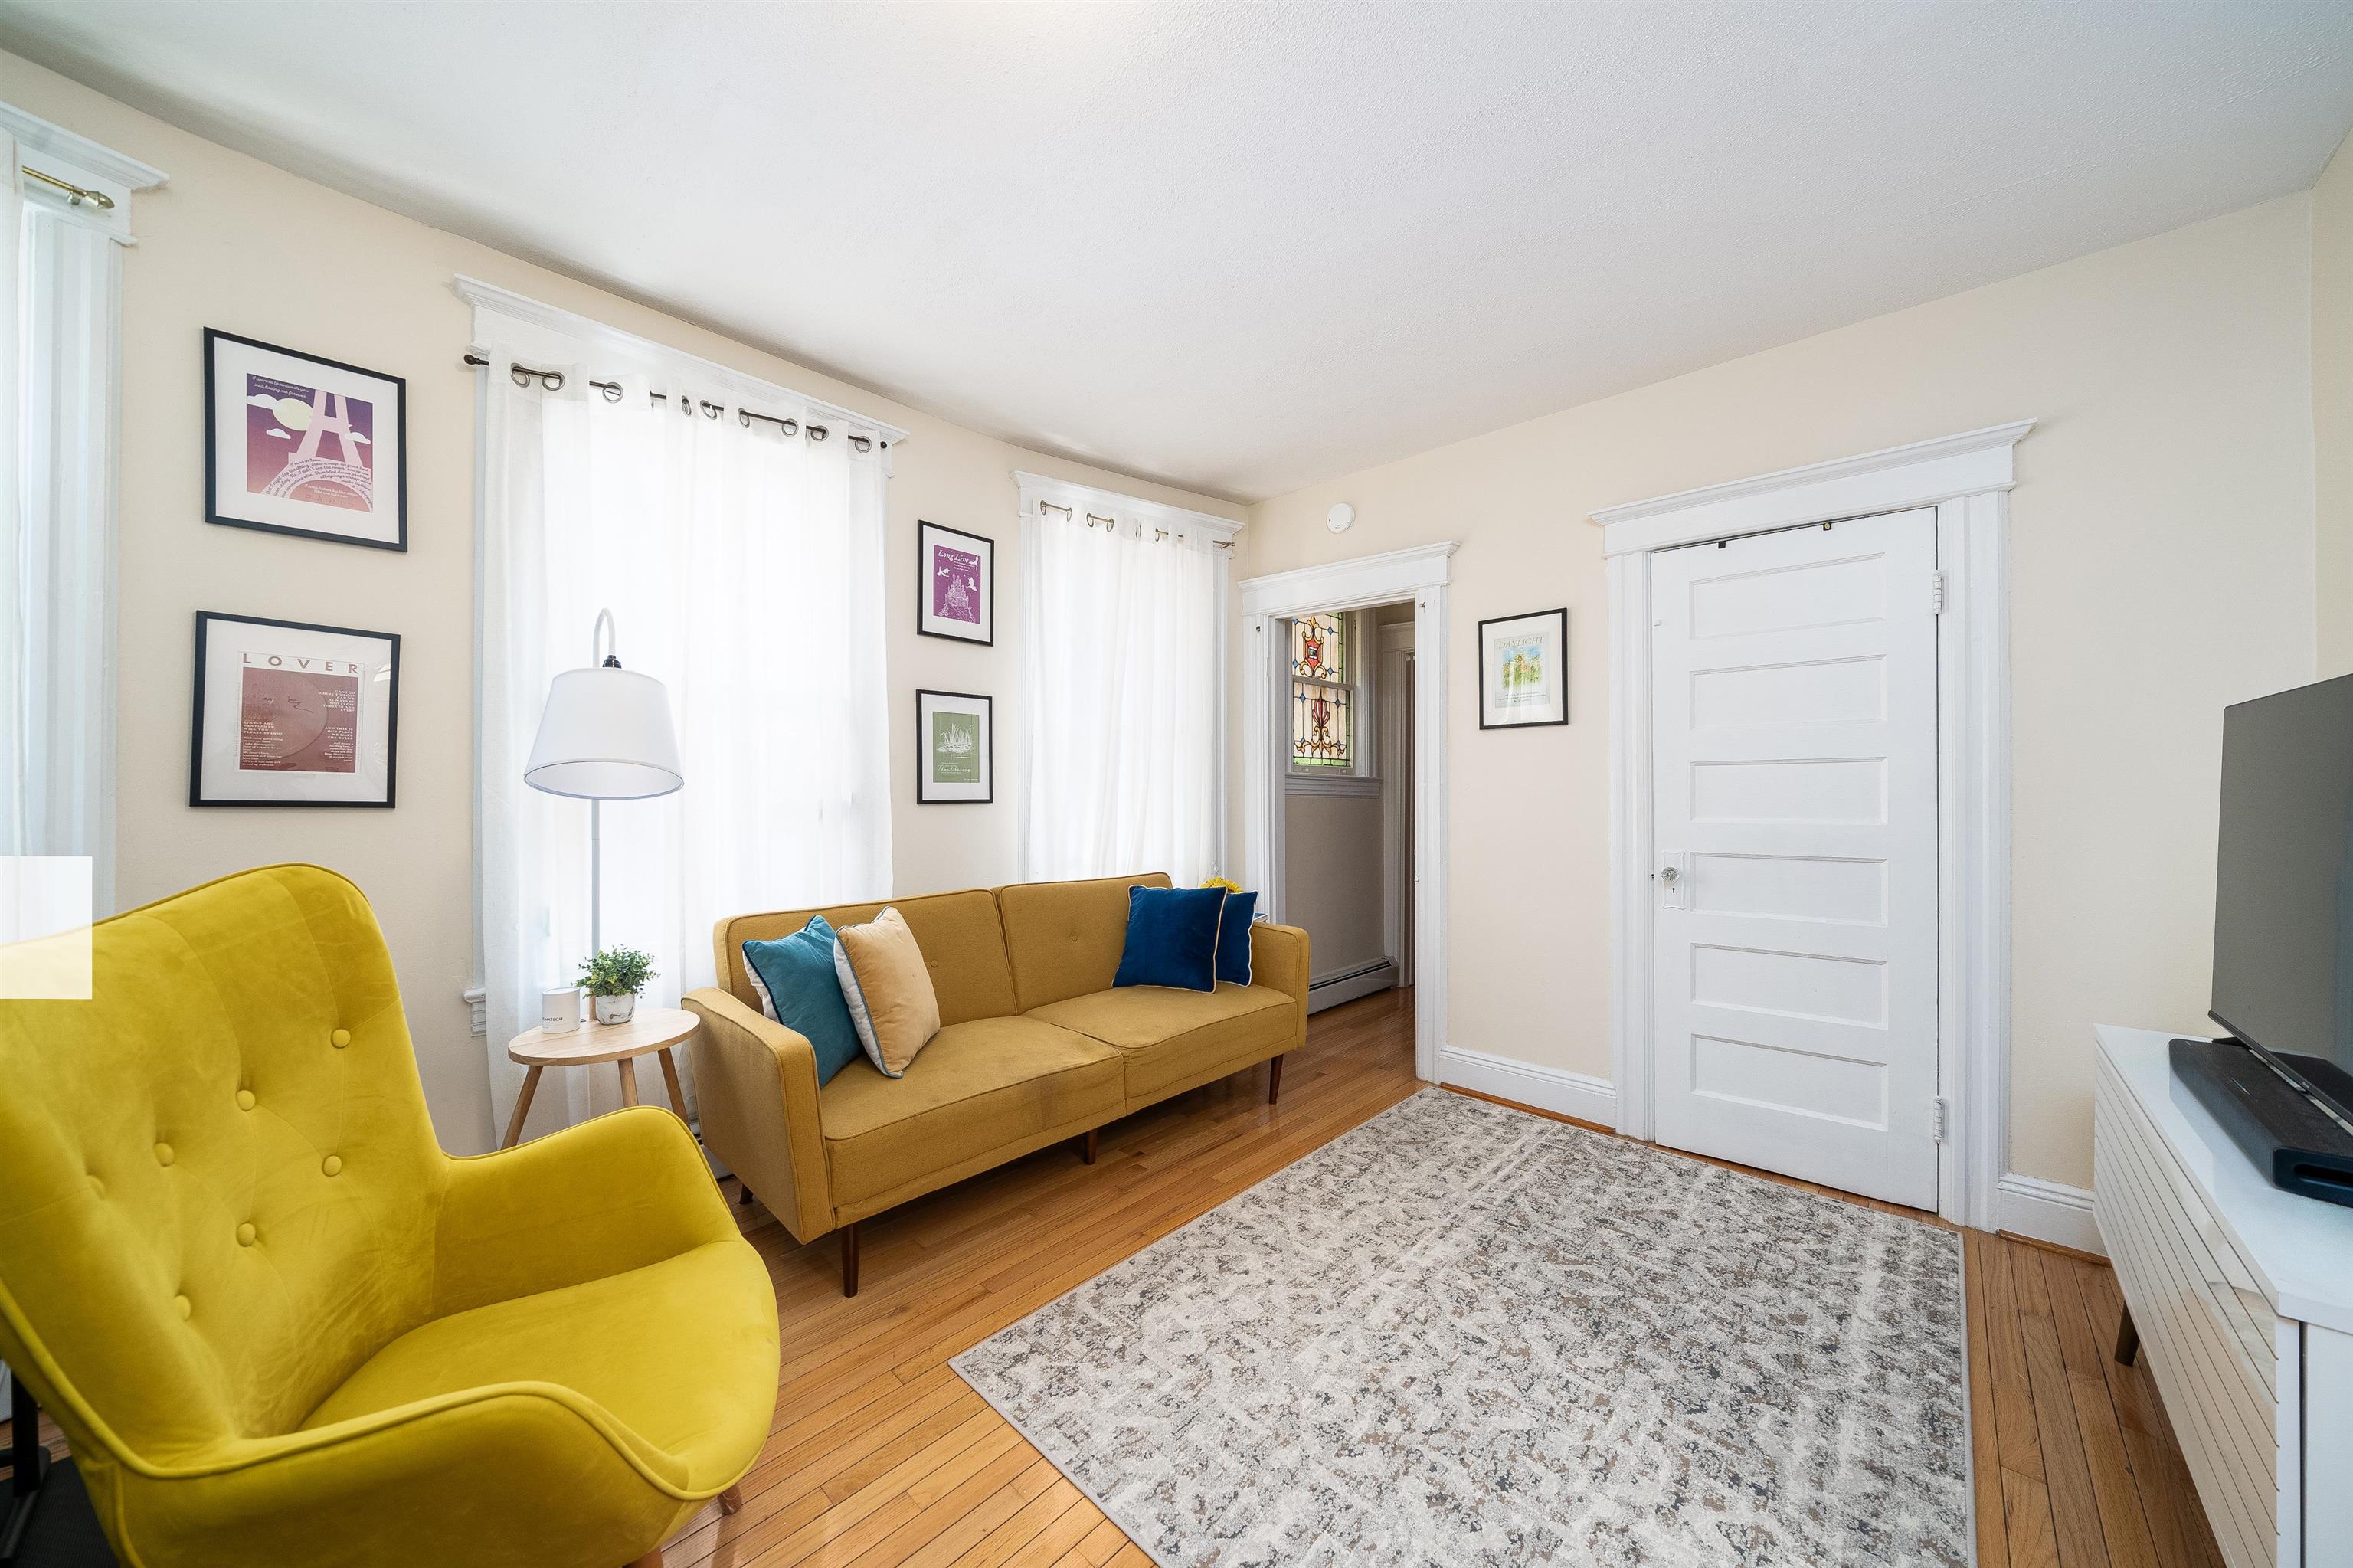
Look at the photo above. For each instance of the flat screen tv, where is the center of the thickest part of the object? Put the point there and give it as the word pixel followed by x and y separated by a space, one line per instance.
pixel 2284 888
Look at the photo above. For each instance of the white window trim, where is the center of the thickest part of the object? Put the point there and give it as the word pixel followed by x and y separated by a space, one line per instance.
pixel 1967 477
pixel 1042 490
pixel 56 151
pixel 527 325
pixel 1331 784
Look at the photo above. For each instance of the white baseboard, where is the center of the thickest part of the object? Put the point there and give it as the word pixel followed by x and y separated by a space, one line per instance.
pixel 2028 1205
pixel 2048 1211
pixel 1324 993
pixel 1562 1092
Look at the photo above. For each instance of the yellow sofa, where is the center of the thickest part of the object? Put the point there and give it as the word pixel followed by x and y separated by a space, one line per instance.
pixel 280 1326
pixel 1035 1046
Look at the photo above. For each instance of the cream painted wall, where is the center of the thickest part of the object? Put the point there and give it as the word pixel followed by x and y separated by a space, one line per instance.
pixel 234 243
pixel 2332 409
pixel 2162 556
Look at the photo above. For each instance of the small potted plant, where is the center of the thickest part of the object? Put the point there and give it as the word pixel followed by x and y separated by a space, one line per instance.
pixel 613 979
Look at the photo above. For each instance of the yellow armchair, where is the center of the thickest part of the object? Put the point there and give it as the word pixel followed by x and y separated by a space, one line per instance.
pixel 280 1326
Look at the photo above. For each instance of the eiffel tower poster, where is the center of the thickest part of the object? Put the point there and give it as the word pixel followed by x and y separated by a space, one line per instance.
pixel 298 444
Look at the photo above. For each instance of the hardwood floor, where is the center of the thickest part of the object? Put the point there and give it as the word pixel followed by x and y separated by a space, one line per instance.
pixel 882 1458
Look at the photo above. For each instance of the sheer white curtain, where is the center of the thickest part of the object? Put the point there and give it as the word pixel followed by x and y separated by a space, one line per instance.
pixel 743 568
pixel 1120 699
pixel 61 273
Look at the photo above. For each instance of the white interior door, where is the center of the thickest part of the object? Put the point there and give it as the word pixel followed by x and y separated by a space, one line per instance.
pixel 1794 722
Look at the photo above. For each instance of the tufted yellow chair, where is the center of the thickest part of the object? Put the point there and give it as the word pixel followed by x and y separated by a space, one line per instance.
pixel 282 1326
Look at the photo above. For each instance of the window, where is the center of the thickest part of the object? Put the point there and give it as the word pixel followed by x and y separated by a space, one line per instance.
pixel 63 225
pixel 736 530
pixel 1321 710
pixel 1329 687
pixel 1121 717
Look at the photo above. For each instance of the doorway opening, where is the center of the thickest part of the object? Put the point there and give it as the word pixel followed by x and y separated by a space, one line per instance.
pixel 1420 574
pixel 1342 784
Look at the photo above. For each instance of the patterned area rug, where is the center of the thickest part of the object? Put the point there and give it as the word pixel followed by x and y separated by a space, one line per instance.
pixel 1465 1335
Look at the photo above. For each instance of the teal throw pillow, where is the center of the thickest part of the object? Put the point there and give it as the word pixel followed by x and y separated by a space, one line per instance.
pixel 805 992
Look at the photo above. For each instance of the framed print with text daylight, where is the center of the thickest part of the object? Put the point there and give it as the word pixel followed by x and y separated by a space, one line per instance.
pixel 955 748
pixel 288 713
pixel 955 580
pixel 1524 670
pixel 297 444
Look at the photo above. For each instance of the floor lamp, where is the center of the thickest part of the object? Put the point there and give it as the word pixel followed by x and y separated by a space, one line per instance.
pixel 605 734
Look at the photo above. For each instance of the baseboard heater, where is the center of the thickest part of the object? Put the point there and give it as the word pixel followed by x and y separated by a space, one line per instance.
pixel 1347 985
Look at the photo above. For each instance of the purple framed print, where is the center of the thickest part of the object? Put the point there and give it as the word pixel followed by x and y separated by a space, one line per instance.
pixel 296 444
pixel 955 584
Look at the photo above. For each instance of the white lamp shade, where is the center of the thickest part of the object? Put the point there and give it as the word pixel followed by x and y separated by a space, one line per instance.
pixel 604 735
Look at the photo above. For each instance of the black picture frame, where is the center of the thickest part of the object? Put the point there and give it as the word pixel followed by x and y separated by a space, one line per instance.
pixel 924 785
pixel 214 338
pixel 1478 646
pixel 196 796
pixel 987 552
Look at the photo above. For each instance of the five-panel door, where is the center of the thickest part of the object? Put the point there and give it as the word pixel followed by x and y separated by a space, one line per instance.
pixel 1794 775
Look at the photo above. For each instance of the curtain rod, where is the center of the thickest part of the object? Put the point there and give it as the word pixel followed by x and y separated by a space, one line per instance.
pixel 552 381
pixel 1157 534
pixel 75 195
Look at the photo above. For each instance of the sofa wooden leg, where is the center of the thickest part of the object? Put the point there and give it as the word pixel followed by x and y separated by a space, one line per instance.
pixel 744 1197
pixel 650 1560
pixel 2127 1340
pixel 732 1500
pixel 1087 1148
pixel 849 1259
pixel 1274 1080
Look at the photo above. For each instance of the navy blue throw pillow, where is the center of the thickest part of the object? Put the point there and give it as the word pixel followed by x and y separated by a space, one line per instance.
pixel 1172 938
pixel 1234 938
pixel 798 975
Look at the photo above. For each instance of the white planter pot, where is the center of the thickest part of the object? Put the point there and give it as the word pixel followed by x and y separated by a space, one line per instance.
pixel 616 1009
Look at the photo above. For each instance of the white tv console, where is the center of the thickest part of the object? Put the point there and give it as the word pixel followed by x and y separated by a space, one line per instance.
pixel 2243 1298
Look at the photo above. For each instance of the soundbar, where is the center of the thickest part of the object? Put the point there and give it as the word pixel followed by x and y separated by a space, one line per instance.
pixel 2299 1147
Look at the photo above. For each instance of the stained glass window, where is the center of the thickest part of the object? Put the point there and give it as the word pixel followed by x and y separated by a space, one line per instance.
pixel 1321 733
pixel 1319 725
pixel 1319 648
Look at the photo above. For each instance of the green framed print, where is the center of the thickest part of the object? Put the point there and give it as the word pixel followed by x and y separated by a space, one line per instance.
pixel 1524 670
pixel 955 748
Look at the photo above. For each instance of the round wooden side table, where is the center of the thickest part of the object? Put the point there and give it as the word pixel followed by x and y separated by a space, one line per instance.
pixel 649 1029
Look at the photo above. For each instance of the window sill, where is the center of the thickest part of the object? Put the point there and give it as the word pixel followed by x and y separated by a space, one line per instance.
pixel 1332 784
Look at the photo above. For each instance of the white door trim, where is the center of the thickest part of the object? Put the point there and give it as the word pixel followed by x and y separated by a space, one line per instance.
pixel 1967 477
pixel 1396 651
pixel 1421 573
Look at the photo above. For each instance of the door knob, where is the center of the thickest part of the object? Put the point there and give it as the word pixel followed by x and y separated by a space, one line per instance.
pixel 1669 875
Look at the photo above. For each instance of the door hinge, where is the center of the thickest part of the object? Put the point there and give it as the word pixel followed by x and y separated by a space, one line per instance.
pixel 1935 593
pixel 1938 1117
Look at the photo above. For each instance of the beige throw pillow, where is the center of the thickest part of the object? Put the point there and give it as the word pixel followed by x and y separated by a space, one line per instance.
pixel 889 990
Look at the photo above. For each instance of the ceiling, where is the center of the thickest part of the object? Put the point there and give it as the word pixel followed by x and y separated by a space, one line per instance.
pixel 1245 247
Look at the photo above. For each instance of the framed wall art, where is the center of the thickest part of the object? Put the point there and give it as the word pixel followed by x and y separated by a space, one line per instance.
pixel 956 579
pixel 1524 670
pixel 956 747
pixel 297 444
pixel 288 713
